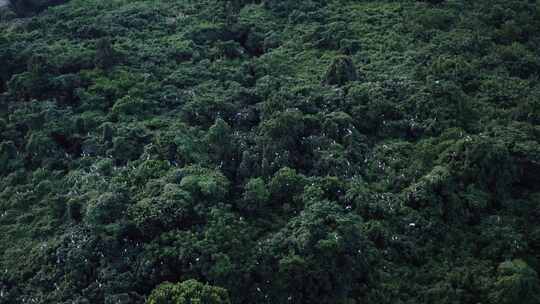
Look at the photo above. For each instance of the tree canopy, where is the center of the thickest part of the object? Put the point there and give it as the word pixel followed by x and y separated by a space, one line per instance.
pixel 269 151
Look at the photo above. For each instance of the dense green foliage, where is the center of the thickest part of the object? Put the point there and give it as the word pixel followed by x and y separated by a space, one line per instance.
pixel 188 292
pixel 273 151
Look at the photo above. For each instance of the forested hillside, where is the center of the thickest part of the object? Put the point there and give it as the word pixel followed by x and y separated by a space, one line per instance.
pixel 272 151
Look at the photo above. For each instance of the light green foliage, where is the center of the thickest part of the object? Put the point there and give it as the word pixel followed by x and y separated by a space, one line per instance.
pixel 188 292
pixel 256 195
pixel 204 183
pixel 172 208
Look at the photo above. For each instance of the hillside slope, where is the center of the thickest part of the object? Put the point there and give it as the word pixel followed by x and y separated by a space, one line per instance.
pixel 272 151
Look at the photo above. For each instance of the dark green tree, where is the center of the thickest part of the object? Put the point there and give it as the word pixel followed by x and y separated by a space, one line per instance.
pixel 106 56
pixel 516 281
pixel 340 71
pixel 322 237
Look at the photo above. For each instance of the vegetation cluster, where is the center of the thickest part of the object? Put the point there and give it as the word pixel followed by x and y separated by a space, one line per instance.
pixel 273 151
